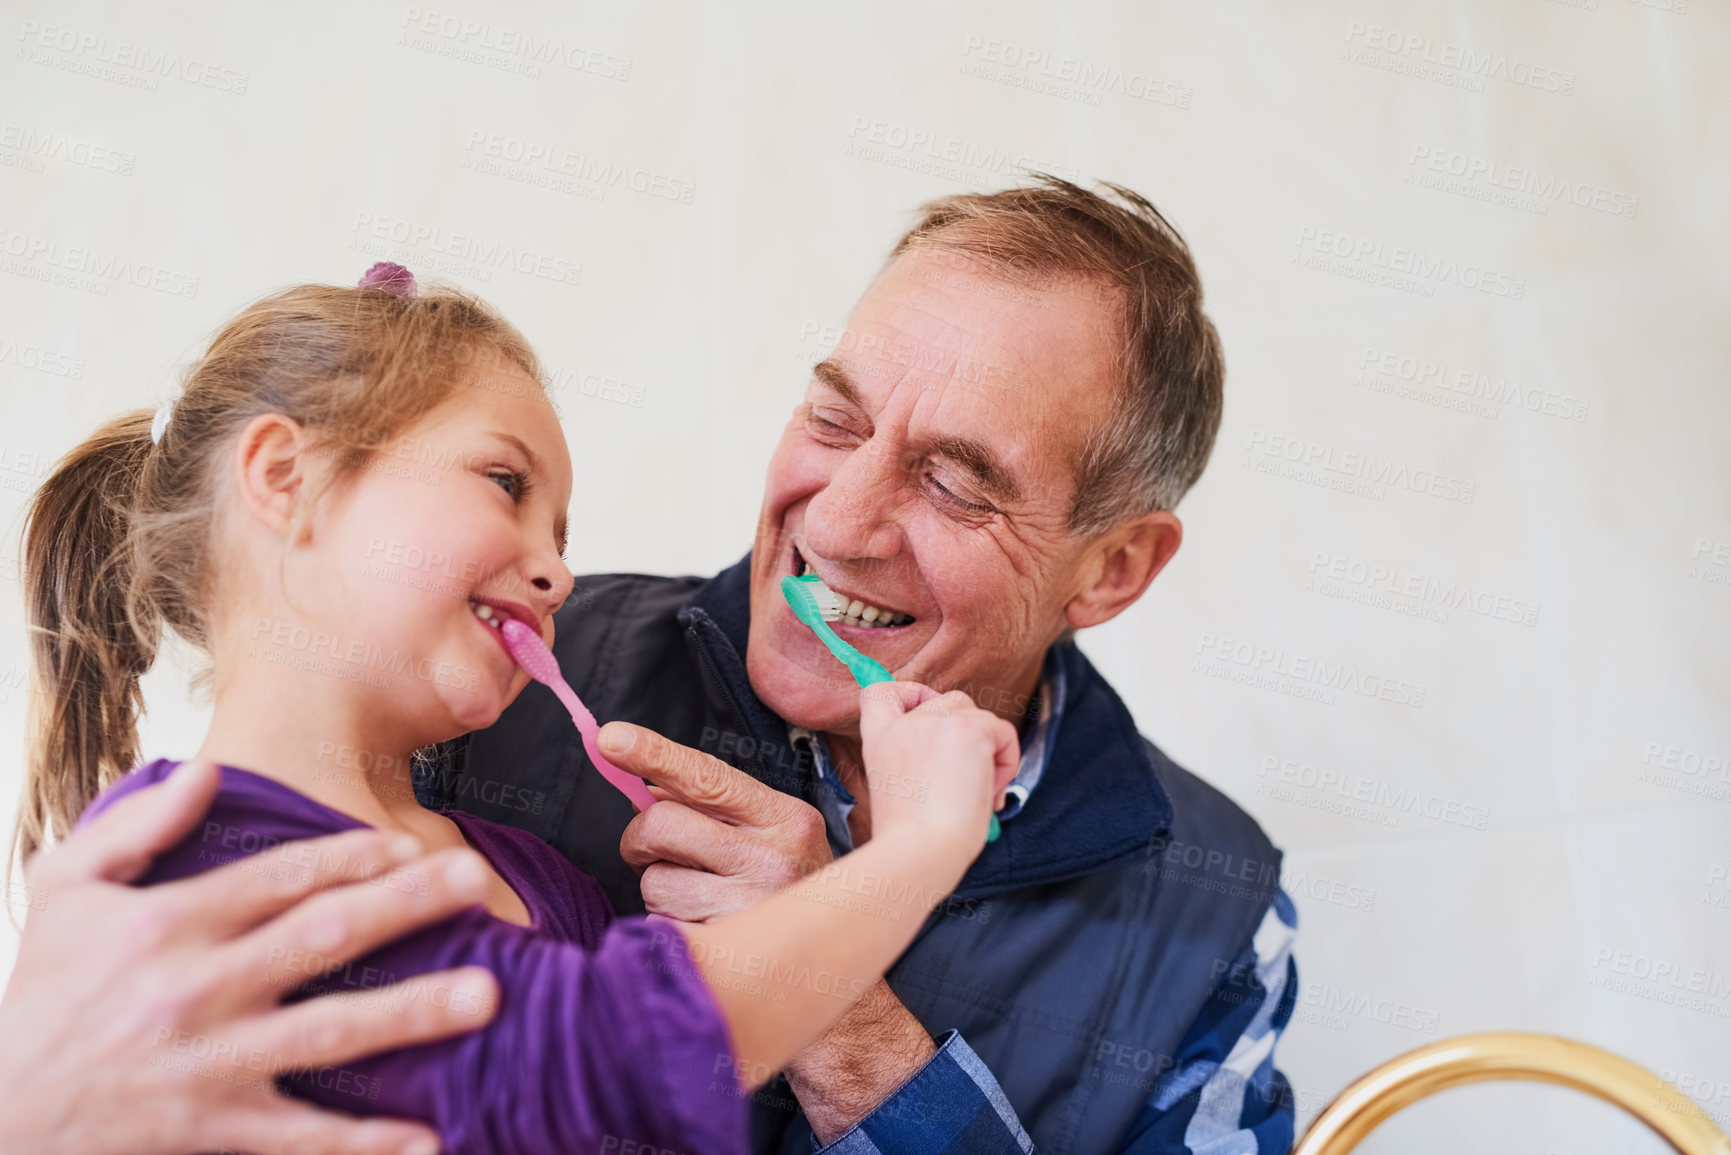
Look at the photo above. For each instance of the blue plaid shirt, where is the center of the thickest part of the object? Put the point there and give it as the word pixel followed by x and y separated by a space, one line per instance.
pixel 1223 1095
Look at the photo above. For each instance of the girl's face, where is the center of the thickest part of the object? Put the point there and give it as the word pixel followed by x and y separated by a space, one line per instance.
pixel 466 508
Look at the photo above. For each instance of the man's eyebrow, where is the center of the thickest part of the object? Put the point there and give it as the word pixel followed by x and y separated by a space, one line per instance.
pixel 978 459
pixel 830 372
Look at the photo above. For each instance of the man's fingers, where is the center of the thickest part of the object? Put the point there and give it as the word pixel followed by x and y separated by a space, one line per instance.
pixel 338 926
pixel 673 832
pixel 335 1029
pixel 281 1126
pixel 691 775
pixel 687 895
pixel 240 895
pixel 123 841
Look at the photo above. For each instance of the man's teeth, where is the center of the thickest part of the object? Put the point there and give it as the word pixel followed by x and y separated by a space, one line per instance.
pixel 854 613
pixel 858 613
pixel 486 614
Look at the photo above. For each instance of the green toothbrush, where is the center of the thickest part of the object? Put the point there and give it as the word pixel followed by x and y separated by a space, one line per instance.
pixel 817 605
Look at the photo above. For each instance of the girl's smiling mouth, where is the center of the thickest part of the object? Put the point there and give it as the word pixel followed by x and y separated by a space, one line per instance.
pixel 492 612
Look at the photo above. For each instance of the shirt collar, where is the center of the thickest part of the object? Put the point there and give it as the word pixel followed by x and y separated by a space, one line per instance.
pixel 836 802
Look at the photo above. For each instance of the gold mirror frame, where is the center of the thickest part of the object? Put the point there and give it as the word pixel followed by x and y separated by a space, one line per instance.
pixel 1511 1056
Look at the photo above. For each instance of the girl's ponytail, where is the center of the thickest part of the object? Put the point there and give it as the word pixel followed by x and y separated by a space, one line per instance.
pixel 122 541
pixel 91 639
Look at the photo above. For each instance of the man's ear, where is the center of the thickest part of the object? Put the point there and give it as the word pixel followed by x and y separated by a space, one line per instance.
pixel 275 473
pixel 1120 564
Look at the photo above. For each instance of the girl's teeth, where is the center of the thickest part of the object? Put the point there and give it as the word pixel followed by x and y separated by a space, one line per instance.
pixel 485 613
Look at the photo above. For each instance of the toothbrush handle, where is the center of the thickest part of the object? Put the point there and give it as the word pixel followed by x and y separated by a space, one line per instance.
pixel 627 784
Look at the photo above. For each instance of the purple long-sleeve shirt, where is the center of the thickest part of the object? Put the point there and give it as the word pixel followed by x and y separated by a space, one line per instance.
pixel 606 1039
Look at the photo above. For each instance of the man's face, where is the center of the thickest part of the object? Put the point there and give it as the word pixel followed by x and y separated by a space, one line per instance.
pixel 929 472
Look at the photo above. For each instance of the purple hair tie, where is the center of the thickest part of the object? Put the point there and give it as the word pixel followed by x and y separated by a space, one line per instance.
pixel 389 277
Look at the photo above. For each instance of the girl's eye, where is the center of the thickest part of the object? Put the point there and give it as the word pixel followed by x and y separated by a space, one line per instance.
pixel 514 482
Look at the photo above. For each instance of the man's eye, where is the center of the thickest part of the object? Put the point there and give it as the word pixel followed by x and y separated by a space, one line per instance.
pixel 949 497
pixel 824 427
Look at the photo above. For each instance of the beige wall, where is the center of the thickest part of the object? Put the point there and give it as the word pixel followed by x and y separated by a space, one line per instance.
pixel 1501 840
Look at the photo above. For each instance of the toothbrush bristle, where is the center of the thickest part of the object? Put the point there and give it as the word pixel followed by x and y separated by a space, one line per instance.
pixel 828 601
pixel 531 652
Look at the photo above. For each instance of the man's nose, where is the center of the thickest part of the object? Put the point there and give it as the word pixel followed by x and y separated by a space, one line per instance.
pixel 852 515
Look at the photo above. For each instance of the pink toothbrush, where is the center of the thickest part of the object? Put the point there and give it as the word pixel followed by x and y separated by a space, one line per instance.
pixel 538 662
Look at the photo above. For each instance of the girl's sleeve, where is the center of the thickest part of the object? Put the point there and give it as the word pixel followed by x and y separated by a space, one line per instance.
pixel 619 1049
pixel 615 1047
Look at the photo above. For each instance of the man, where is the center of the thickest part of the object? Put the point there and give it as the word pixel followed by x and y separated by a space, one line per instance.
pixel 988 461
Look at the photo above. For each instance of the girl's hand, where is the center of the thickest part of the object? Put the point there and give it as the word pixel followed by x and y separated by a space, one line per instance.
pixel 937 764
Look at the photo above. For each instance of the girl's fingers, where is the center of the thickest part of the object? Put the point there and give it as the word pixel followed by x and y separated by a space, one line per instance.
pixel 916 694
pixel 331 1030
pixel 280 1126
pixel 235 898
pixel 883 702
pixel 337 926
pixel 1006 754
pixel 953 701
pixel 122 842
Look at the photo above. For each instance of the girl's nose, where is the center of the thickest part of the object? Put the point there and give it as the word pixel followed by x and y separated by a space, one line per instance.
pixel 549 577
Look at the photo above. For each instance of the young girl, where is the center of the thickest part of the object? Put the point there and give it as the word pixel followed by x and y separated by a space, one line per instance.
pixel 346 478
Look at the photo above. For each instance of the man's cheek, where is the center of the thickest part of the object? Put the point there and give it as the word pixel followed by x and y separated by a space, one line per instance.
pixel 798 469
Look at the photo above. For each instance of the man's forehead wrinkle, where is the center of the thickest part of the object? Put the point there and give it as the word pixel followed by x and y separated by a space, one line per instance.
pixel 865 384
pixel 930 325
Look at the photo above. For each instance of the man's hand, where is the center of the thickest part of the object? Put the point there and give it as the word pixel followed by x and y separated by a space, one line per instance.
pixel 147 1020
pixel 719 841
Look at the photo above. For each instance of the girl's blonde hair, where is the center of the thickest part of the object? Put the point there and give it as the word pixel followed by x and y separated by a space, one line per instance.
pixel 117 541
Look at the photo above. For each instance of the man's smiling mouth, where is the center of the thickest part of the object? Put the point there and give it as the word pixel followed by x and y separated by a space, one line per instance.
pixel 855 611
